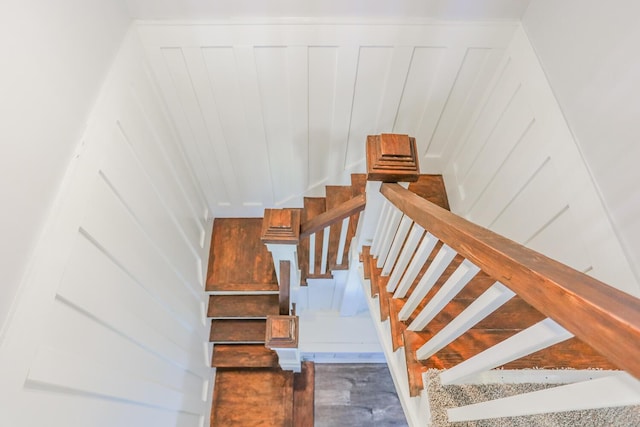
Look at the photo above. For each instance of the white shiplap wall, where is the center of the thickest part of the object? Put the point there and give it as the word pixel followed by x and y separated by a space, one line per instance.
pixel 109 329
pixel 270 112
pixel 516 169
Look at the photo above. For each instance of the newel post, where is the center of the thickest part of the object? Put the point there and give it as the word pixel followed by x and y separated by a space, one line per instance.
pixel 282 337
pixel 390 158
pixel 281 235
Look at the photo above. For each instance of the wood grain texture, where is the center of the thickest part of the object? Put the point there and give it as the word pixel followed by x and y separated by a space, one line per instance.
pixel 431 187
pixel 236 242
pixel 415 367
pixel 285 287
pixel 303 396
pixel 243 356
pixel 604 317
pixel 238 330
pixel 281 226
pixel 336 195
pixel 358 185
pixel 338 213
pixel 383 298
pixel 397 326
pixel 366 262
pixel 392 158
pixel 242 305
pixel 313 206
pixel 282 332
pixel 252 398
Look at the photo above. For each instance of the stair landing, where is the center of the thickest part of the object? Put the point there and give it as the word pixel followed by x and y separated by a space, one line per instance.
pixel 238 260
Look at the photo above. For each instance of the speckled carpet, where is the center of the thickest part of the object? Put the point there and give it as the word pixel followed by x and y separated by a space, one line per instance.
pixel 356 395
pixel 443 397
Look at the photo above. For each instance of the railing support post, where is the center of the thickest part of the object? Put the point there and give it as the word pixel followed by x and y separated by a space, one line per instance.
pixel 390 158
pixel 282 337
pixel 281 235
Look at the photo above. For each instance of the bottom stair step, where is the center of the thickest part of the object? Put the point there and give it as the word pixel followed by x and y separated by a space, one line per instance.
pixel 238 330
pixel 243 356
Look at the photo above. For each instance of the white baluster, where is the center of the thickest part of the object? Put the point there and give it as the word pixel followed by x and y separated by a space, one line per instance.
pixel 442 259
pixel 343 240
pixel 405 256
pixel 485 304
pixel 325 250
pixel 426 246
pixel 388 235
pixel 537 337
pixel 463 274
pixel 618 390
pixel 312 253
pixel 398 241
pixel 382 221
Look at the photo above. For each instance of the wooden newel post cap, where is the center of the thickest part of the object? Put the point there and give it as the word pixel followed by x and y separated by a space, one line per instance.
pixel 392 158
pixel 282 332
pixel 281 226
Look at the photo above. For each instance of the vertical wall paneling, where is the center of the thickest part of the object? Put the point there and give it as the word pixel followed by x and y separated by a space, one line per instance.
pixel 446 78
pixel 293 103
pixel 517 170
pixel 419 87
pixel 252 151
pixel 374 64
pixel 323 77
pixel 195 130
pixel 274 79
pixel 346 71
pixel 109 329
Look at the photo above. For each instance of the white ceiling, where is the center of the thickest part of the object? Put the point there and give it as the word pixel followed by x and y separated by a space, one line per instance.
pixel 456 10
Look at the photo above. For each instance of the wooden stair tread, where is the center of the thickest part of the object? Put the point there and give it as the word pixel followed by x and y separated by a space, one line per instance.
pixel 243 305
pixel 243 356
pixel 431 187
pixel 243 287
pixel 238 330
pixel 572 353
pixel 252 397
pixel 237 255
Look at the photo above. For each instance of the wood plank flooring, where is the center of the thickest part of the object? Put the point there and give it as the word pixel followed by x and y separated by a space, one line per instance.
pixel 356 395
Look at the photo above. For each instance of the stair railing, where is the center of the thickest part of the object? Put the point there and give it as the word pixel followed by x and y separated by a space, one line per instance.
pixel 410 228
pixel 282 233
pixel 341 215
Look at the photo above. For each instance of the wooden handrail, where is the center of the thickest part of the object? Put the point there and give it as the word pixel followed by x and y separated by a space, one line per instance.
pixel 332 216
pixel 602 316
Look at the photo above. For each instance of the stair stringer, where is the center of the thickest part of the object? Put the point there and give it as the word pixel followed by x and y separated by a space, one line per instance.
pixel 416 409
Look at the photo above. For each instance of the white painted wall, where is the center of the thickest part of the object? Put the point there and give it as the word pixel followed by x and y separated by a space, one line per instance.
pixel 590 54
pixel 55 57
pixel 517 170
pixel 271 112
pixel 110 325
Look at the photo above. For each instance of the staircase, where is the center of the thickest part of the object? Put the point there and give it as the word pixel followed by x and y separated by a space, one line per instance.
pixel 250 387
pixel 444 294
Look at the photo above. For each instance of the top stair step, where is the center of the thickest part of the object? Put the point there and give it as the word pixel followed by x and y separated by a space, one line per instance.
pixel 431 187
